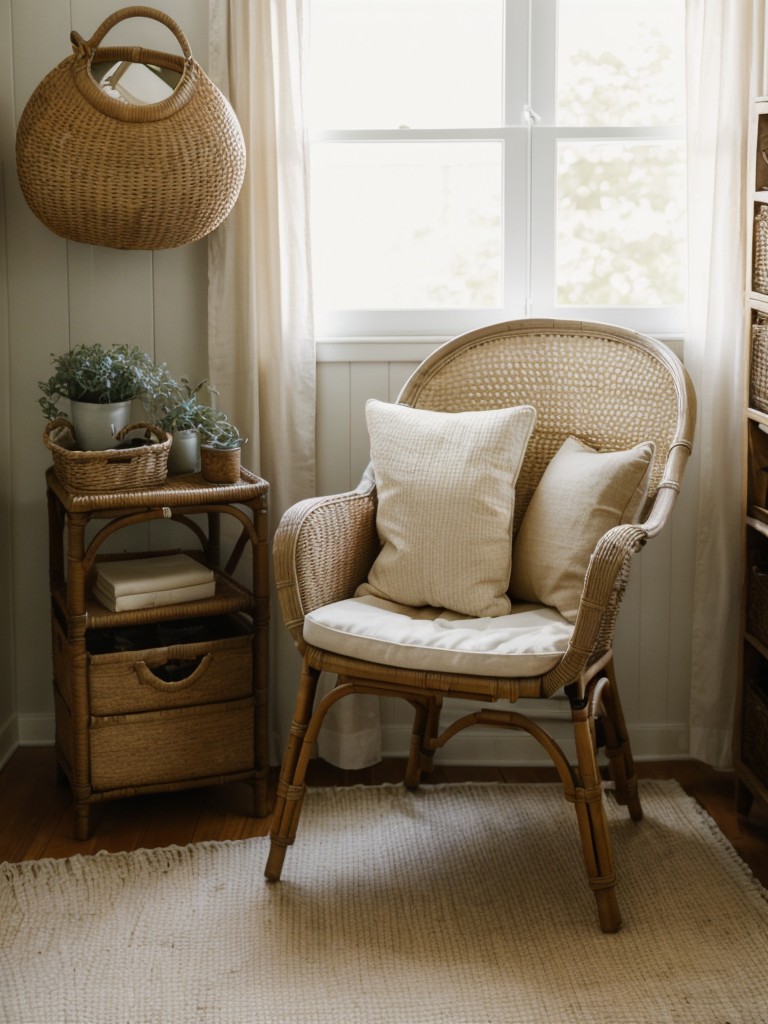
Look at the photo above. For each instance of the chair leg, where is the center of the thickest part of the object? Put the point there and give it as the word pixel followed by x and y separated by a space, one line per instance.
pixel 291 786
pixel 618 749
pixel 425 726
pixel 593 826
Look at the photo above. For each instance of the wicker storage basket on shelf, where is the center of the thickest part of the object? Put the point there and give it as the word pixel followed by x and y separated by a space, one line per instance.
pixel 754 741
pixel 760 260
pixel 758 371
pixel 116 469
pixel 128 175
pixel 757 604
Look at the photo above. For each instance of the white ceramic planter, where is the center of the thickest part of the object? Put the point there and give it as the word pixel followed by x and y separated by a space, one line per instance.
pixel 184 456
pixel 95 424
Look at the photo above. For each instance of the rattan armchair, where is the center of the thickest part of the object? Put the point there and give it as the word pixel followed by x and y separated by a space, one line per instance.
pixel 611 388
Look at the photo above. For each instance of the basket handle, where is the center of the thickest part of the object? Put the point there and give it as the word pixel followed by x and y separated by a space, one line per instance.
pixel 57 424
pixel 86 47
pixel 147 677
pixel 149 428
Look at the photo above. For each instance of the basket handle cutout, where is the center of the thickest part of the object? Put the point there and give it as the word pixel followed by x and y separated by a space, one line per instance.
pixel 148 678
pixel 86 47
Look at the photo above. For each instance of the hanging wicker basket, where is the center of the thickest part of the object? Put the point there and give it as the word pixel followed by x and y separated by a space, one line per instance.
pixel 129 175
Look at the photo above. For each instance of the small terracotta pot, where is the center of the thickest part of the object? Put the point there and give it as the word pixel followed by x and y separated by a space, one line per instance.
pixel 220 465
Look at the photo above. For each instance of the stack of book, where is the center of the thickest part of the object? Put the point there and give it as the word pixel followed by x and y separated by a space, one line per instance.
pixel 132 583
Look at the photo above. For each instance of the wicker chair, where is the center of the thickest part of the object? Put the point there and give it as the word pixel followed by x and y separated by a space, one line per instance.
pixel 611 388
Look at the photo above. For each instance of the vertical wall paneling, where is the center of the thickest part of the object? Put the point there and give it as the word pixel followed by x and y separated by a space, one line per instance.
pixel 367 380
pixel 110 296
pixel 334 428
pixel 38 315
pixel 180 310
pixel 8 720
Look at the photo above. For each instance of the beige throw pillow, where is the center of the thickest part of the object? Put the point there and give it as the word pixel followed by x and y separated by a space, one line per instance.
pixel 446 492
pixel 581 495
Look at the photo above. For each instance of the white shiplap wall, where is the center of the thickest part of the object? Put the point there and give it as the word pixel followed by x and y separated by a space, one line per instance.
pixel 54 293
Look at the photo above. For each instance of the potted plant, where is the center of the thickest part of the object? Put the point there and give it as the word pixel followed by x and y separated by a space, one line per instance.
pixel 220 445
pixel 100 384
pixel 201 433
pixel 175 407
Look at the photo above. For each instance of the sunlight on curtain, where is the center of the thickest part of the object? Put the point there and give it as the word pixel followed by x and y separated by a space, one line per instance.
pixel 261 348
pixel 724 73
pixel 260 322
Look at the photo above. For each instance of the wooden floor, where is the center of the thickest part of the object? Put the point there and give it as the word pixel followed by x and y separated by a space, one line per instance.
pixel 36 817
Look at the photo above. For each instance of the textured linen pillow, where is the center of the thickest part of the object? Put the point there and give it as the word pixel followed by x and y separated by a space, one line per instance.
pixel 581 495
pixel 446 493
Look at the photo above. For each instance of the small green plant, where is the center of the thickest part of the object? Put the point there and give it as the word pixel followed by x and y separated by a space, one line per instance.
pixel 175 405
pixel 92 373
pixel 218 432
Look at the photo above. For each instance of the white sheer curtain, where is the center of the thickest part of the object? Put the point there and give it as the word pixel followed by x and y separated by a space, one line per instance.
pixel 260 329
pixel 724 73
pixel 260 335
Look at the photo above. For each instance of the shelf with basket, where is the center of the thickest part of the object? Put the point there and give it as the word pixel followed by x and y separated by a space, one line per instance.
pixel 163 697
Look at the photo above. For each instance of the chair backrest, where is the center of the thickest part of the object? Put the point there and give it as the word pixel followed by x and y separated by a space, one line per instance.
pixel 610 387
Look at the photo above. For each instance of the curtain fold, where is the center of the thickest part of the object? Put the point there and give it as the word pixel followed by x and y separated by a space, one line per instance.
pixel 724 55
pixel 260 331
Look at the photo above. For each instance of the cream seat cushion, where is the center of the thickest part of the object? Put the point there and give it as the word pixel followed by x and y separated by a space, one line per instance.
pixel 445 485
pixel 528 641
pixel 582 494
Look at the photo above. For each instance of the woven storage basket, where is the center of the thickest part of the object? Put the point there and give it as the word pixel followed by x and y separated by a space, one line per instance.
pixel 116 469
pixel 125 175
pixel 757 604
pixel 754 729
pixel 760 262
pixel 220 465
pixel 758 370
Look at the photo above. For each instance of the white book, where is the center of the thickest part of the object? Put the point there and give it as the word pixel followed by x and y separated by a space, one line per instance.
pixel 142 575
pixel 155 598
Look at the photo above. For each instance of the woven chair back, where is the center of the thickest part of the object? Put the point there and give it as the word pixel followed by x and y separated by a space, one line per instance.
pixel 610 387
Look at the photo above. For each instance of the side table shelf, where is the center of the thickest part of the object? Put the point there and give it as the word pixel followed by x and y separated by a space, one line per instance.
pixel 169 697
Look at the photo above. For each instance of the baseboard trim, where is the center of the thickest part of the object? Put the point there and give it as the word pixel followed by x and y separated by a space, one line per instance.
pixel 505 748
pixel 37 730
pixel 9 738
pixel 482 746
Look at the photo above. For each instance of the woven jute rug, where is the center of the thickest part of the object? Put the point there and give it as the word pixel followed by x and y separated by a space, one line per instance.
pixel 460 903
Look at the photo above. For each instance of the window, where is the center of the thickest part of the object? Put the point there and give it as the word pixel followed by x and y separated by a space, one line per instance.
pixel 481 160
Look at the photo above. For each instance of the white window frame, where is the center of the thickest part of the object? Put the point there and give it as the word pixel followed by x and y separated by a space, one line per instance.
pixel 529 138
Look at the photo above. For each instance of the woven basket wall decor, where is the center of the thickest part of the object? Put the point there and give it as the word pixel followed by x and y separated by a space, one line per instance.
pixel 126 175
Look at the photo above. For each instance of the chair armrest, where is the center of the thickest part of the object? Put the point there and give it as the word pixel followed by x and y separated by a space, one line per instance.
pixel 604 586
pixel 607 574
pixel 323 549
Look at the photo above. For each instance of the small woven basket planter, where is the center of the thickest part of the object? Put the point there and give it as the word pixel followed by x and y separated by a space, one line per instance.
pixel 129 175
pixel 220 465
pixel 115 469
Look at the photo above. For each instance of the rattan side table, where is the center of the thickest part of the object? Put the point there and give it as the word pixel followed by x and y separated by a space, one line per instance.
pixel 170 697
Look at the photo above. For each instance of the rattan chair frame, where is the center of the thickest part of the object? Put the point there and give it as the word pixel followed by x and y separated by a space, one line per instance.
pixel 609 386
